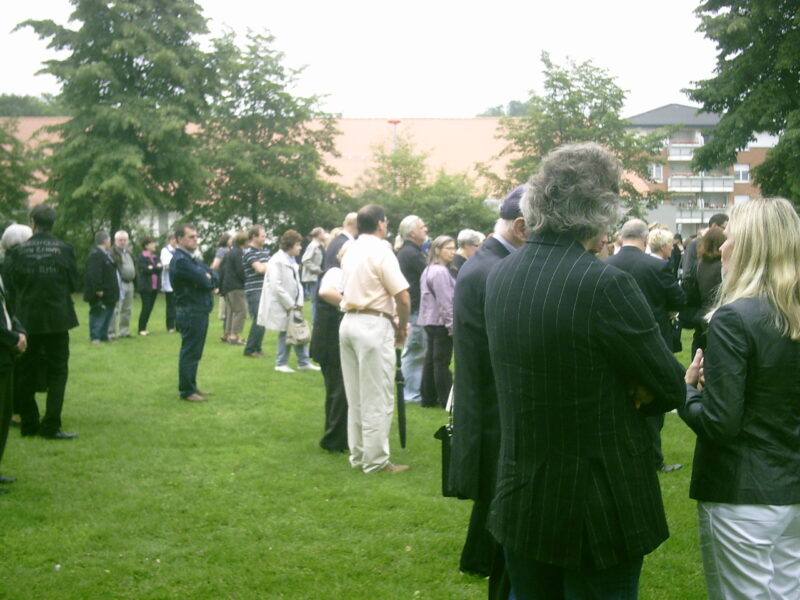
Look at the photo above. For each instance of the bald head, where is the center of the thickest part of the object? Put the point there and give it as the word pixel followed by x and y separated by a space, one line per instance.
pixel 634 233
pixel 350 223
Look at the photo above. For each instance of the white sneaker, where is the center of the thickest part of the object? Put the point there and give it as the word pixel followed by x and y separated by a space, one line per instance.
pixel 308 367
pixel 284 369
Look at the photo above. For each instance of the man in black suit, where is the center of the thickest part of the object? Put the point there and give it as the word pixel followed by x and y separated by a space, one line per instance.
pixel 578 502
pixel 664 296
pixel 349 230
pixel 102 287
pixel 193 284
pixel 40 276
pixel 476 422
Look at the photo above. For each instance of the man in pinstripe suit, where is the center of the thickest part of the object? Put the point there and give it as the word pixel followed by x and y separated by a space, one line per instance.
pixel 578 503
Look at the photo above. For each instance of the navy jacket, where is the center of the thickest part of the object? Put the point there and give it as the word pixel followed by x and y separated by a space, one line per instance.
pixel 40 276
pixel 192 282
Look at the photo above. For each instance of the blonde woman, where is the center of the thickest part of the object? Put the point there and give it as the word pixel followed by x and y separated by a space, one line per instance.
pixel 744 405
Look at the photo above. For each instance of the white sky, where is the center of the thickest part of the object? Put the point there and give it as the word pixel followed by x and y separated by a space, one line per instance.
pixel 431 58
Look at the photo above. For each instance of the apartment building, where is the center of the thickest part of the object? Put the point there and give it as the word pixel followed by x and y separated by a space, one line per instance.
pixel 695 196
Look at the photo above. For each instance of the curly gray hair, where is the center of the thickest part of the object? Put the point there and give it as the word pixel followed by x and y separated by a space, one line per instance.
pixel 576 190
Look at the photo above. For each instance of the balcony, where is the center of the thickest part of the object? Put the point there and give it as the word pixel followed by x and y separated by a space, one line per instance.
pixel 700 183
pixel 681 152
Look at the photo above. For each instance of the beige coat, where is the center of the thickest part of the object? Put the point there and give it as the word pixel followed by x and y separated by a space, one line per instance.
pixel 282 290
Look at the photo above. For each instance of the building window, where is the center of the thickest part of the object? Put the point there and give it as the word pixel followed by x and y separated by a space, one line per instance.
pixel 656 172
pixel 741 173
pixel 741 198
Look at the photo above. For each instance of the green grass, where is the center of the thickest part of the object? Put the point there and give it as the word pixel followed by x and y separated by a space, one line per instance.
pixel 163 499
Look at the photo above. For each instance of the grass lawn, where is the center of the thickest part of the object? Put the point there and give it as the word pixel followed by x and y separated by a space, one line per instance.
pixel 233 499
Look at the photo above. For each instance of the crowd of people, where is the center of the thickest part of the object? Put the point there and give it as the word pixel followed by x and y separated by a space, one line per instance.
pixel 563 338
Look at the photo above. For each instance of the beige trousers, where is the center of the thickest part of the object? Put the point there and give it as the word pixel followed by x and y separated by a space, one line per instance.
pixel 366 347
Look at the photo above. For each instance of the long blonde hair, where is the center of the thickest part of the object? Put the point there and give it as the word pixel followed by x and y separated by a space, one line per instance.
pixel 765 260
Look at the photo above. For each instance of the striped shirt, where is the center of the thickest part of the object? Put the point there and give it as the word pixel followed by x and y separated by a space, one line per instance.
pixel 253 282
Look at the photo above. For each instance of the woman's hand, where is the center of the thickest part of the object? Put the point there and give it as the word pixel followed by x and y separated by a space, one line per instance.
pixel 694 374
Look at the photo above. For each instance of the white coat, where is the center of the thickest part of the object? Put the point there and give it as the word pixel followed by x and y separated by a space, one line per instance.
pixel 282 290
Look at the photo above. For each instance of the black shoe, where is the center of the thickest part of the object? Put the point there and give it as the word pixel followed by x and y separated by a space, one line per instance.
pixel 59 435
pixel 669 468
pixel 7 479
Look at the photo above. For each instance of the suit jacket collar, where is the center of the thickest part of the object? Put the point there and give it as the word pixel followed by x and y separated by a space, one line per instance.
pixel 495 247
pixel 630 250
pixel 551 238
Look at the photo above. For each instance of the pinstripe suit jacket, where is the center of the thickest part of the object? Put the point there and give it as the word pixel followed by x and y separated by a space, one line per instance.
pixel 568 337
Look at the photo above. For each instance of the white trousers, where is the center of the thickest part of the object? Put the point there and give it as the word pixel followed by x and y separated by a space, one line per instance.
pixel 750 552
pixel 366 347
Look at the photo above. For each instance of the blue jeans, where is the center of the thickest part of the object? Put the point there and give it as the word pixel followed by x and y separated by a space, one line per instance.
pixel 283 352
pixel 193 328
pixel 534 580
pixel 413 360
pixel 256 335
pixel 99 320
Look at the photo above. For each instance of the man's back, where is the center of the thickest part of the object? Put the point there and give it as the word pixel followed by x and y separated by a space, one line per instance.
pixel 41 275
pixel 568 337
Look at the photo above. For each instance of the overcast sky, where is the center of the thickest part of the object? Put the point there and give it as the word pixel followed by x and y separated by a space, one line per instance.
pixel 431 58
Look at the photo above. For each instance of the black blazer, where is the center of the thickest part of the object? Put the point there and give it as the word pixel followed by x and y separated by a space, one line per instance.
pixel 101 276
pixel 231 271
pixel 569 336
pixel 145 269
pixel 747 419
pixel 659 286
pixel 412 263
pixel 40 276
pixel 476 420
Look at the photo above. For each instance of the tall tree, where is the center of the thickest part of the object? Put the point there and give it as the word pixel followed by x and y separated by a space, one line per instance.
pixel 134 79
pixel 16 172
pixel 581 103
pixel 265 146
pixel 756 87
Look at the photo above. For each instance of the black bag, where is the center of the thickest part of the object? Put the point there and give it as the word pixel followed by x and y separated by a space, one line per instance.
pixel 445 435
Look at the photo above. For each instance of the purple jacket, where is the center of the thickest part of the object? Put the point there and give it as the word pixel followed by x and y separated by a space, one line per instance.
pixel 437 286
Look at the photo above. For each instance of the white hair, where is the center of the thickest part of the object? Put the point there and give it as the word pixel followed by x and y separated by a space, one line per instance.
pixel 470 237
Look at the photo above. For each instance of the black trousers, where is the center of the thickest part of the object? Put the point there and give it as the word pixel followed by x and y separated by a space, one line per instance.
pixel 169 299
pixel 6 403
pixel 436 377
pixel 148 300
pixel 335 437
pixel 193 328
pixel 256 335
pixel 52 350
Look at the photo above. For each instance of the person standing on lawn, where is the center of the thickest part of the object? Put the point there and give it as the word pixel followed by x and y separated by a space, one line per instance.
pixel 374 293
pixel 149 267
pixel 102 287
pixel 193 284
pixel 40 276
pixel 254 259
pixel 120 322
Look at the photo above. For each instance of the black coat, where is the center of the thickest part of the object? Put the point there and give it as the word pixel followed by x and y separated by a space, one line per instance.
pixel 231 271
pixel 659 286
pixel 101 276
pixel 330 260
pixel 569 336
pixel 412 264
pixel 145 269
pixel 40 276
pixel 476 421
pixel 747 419
pixel 9 338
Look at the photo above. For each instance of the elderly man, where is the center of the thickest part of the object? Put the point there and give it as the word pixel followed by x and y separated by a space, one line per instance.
pixel 664 296
pixel 120 322
pixel 375 293
pixel 40 276
pixel 476 431
pixel 102 287
pixel 193 284
pixel 468 241
pixel 578 502
pixel 413 232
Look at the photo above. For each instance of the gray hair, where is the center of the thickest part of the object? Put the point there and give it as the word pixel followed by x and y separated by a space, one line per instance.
pixel 15 234
pixel 470 237
pixel 100 238
pixel 576 190
pixel 635 229
pixel 120 234
pixel 659 238
pixel 406 225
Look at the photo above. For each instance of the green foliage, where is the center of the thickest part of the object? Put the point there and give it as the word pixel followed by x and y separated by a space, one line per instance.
pixel 756 87
pixel 581 103
pixel 265 153
pixel 400 182
pixel 515 108
pixel 16 173
pixel 13 105
pixel 134 79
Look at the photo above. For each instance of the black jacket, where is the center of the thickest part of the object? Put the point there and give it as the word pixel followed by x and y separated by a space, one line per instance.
pixel 9 338
pixel 568 337
pixel 231 271
pixel 747 419
pixel 101 276
pixel 659 286
pixel 145 269
pixel 40 276
pixel 476 420
pixel 412 264
pixel 193 283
